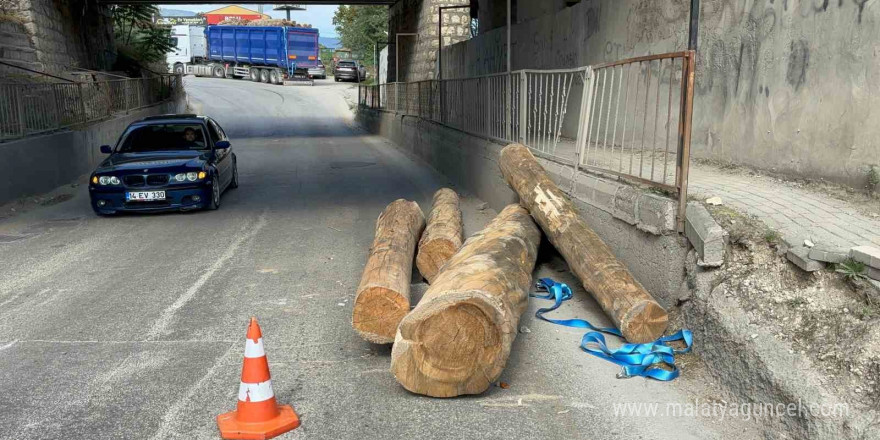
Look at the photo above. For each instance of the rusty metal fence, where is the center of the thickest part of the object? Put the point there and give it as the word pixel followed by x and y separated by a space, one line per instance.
pixel 30 109
pixel 638 122
pixel 632 121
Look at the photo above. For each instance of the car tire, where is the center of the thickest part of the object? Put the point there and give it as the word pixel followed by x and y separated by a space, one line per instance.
pixel 179 69
pixel 219 72
pixel 264 76
pixel 273 76
pixel 337 79
pixel 214 203
pixel 234 182
pixel 255 74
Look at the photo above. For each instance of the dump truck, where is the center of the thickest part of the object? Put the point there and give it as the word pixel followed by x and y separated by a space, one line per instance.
pixel 269 54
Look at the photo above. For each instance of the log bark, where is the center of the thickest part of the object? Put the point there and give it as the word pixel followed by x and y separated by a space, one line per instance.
pixel 384 292
pixel 457 340
pixel 443 235
pixel 638 316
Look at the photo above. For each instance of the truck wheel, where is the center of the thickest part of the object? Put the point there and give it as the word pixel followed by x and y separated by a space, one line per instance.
pixel 219 72
pixel 179 69
pixel 255 74
pixel 273 77
pixel 264 75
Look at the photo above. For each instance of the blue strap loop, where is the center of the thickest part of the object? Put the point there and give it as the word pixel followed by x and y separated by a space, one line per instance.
pixel 644 360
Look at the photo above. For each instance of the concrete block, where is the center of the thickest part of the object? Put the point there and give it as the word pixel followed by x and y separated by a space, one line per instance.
pixel 829 253
pixel 656 214
pixel 626 204
pixel 873 273
pixel 705 234
pixel 867 255
pixel 800 256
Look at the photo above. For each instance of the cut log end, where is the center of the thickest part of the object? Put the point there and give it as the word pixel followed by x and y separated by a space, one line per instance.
pixel 377 311
pixel 645 322
pixel 433 255
pixel 451 346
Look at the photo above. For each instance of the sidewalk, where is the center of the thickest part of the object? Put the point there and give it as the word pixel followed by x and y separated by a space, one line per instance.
pixel 795 210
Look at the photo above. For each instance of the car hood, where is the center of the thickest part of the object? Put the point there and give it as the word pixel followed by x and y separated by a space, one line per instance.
pixel 154 161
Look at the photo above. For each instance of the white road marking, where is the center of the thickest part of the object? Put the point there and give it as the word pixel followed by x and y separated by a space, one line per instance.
pixel 177 409
pixel 4 347
pixel 247 232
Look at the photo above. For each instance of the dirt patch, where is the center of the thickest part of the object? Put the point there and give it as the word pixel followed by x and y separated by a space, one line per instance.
pixel 827 317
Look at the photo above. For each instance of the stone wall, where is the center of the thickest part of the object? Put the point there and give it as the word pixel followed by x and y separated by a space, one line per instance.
pixel 418 54
pixel 53 35
pixel 785 86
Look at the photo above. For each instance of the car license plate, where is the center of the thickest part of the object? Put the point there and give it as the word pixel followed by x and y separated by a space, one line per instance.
pixel 145 196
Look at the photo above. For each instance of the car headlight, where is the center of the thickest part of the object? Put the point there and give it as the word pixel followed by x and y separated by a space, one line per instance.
pixel 114 180
pixel 180 177
pixel 192 177
pixel 104 180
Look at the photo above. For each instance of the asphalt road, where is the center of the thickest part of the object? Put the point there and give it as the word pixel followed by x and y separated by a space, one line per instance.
pixel 133 327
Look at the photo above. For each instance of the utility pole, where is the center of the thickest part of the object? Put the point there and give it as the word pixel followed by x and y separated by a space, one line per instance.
pixel 694 26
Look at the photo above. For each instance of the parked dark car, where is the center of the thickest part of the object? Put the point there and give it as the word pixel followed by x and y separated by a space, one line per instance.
pixel 164 163
pixel 349 71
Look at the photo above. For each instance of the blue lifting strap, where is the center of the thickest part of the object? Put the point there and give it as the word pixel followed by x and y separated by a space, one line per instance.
pixel 645 360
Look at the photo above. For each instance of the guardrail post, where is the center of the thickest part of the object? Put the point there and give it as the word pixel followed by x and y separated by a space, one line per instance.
pixel 82 101
pixel 684 149
pixel 508 106
pixel 19 109
pixel 523 104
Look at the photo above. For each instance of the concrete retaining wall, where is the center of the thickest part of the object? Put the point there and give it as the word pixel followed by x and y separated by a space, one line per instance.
pixel 784 86
pixel 40 164
pixel 642 238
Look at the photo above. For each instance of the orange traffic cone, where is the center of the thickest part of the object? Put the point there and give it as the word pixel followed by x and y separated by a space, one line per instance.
pixel 258 416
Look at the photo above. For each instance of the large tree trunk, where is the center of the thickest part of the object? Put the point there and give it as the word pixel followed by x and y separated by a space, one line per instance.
pixel 457 340
pixel 443 235
pixel 383 295
pixel 630 306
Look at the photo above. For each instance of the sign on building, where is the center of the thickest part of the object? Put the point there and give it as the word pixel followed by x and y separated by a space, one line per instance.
pixel 175 20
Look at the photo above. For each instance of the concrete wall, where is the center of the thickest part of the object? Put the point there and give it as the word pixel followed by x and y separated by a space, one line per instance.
pixel 623 217
pixel 52 35
pixel 39 164
pixel 418 55
pixel 788 86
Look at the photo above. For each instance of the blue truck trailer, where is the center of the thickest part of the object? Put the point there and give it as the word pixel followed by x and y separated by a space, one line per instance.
pixel 269 54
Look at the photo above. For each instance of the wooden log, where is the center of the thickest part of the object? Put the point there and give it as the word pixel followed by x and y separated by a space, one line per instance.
pixel 443 235
pixel 638 316
pixel 457 340
pixel 383 295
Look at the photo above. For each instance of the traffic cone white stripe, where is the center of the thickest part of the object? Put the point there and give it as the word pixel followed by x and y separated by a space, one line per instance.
pixel 255 392
pixel 254 349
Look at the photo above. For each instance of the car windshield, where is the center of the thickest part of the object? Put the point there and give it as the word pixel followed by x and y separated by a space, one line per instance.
pixel 164 137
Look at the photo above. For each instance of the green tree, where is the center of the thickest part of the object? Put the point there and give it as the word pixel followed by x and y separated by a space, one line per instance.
pixel 136 34
pixel 359 27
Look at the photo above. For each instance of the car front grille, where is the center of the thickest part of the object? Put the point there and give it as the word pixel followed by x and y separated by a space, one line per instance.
pixel 135 180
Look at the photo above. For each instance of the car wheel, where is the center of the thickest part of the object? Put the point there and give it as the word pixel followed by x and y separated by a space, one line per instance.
pixel 273 77
pixel 215 194
pixel 255 74
pixel 179 69
pixel 336 78
pixel 219 72
pixel 234 182
pixel 264 75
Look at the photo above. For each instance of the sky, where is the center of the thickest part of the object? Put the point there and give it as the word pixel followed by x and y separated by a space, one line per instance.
pixel 318 16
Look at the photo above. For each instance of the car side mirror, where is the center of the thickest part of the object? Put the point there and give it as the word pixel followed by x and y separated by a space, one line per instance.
pixel 106 149
pixel 222 145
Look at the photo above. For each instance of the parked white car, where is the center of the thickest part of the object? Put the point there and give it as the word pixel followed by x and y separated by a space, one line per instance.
pixel 318 71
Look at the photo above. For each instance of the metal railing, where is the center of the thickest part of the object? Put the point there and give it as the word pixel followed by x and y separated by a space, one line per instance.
pixel 638 123
pixel 633 116
pixel 488 106
pixel 30 109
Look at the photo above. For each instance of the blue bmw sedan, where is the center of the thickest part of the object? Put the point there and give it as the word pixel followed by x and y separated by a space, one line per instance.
pixel 164 163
